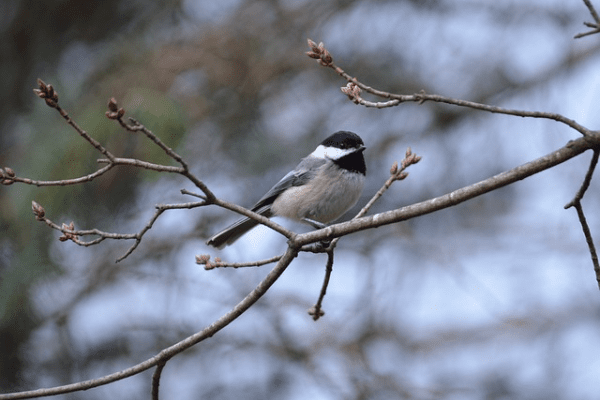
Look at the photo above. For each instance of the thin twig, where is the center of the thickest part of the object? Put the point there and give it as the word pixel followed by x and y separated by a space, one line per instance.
pixel 65 182
pixel 589 240
pixel 156 378
pixel 595 26
pixel 586 181
pixel 134 162
pixel 397 173
pixel 316 311
pixel 136 126
pixel 47 92
pixel 160 208
pixel 175 349
pixel 593 12
pixel 325 59
pixel 576 202
pixel 70 233
pixel 204 259
pixel 116 113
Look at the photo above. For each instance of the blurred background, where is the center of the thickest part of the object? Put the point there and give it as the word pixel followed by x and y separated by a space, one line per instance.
pixel 495 298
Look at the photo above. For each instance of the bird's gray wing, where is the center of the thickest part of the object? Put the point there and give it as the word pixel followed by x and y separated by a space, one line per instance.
pixel 304 172
pixel 298 177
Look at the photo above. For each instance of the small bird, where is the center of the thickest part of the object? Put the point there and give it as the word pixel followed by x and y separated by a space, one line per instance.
pixel 326 184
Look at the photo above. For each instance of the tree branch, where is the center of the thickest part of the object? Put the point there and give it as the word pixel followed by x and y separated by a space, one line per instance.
pixel 572 149
pixel 316 311
pixel 175 349
pixel 576 202
pixel 595 25
pixel 354 87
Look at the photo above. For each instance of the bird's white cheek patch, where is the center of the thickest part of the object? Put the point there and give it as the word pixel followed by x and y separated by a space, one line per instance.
pixel 333 153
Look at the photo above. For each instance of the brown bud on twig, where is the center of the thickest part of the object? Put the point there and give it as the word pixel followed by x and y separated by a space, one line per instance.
pixel 6 176
pixel 38 211
pixel 320 53
pixel 326 58
pixel 402 175
pixel 50 91
pixel 352 91
pixel 39 93
pixel 314 313
pixel 47 92
pixel 112 104
pixel 394 168
pixel 67 235
pixel 115 113
pixel 202 259
pixel 42 85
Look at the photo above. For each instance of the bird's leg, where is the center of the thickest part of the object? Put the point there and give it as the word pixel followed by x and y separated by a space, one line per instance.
pixel 315 224
pixel 318 225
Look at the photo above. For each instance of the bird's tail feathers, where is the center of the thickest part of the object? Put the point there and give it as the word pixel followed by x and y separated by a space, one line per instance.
pixel 236 230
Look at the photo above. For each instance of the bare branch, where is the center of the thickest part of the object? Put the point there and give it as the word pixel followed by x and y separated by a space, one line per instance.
pixel 70 233
pixel 65 182
pixel 48 93
pixel 156 378
pixel 396 174
pixel 316 311
pixel 397 99
pixel 589 240
pixel 175 349
pixel 586 181
pixel 204 259
pixel 116 113
pixel 134 162
pixel 576 202
pixel 572 149
pixel 593 12
pixel 595 26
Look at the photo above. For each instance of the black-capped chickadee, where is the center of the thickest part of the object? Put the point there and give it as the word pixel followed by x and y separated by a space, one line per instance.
pixel 319 190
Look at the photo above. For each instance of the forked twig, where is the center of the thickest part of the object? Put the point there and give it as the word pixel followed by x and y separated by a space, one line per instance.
pixel 576 202
pixel 594 25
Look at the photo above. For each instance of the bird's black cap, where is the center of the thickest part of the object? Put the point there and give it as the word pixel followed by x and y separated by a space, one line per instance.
pixel 343 140
pixel 354 161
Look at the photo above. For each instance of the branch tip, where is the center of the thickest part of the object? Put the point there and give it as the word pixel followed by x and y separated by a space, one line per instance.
pixel 114 112
pixel 47 92
pixel 319 53
pixel 68 235
pixel 38 211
